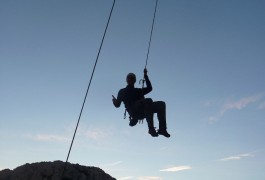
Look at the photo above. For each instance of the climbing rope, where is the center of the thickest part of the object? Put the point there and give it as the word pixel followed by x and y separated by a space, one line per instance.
pixel 149 44
pixel 151 34
pixel 88 88
pixel 147 56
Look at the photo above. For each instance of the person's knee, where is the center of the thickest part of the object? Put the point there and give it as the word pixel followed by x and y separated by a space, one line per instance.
pixel 162 104
pixel 148 101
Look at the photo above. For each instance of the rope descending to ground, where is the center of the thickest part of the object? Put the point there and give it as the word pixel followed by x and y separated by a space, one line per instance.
pixel 88 88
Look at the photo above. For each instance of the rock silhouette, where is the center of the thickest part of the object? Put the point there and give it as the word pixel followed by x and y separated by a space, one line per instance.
pixel 53 171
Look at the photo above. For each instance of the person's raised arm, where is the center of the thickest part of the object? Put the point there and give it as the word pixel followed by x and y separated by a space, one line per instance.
pixel 149 87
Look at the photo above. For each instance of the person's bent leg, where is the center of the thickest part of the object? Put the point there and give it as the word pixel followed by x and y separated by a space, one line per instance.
pixel 159 107
pixel 149 114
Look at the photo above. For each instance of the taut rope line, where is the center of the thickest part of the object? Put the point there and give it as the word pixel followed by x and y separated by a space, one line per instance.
pixel 151 34
pixel 88 88
pixel 149 44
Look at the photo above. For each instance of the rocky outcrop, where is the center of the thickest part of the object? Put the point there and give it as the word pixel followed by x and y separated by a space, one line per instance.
pixel 53 171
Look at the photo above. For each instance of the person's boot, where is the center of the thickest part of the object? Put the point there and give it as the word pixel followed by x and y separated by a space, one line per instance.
pixel 133 122
pixel 163 132
pixel 152 132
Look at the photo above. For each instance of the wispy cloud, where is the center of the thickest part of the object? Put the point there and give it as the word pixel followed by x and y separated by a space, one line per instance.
pixel 48 137
pixel 239 104
pixel 125 178
pixel 262 105
pixel 111 164
pixel 149 178
pixel 94 134
pixel 237 157
pixel 163 148
pixel 230 158
pixel 177 168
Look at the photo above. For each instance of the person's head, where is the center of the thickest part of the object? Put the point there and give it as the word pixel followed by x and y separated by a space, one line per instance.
pixel 131 79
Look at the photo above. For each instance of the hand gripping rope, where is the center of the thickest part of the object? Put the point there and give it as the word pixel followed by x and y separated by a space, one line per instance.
pixel 149 44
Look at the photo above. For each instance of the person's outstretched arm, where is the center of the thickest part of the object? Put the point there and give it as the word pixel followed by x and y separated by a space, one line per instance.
pixel 116 102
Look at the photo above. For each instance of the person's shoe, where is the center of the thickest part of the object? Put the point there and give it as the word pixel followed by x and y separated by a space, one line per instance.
pixel 153 132
pixel 133 122
pixel 163 132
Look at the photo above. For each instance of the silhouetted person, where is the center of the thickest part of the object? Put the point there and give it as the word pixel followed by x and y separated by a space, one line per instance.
pixel 139 107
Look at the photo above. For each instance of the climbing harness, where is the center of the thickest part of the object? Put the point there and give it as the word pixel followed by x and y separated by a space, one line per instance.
pixel 88 87
pixel 141 121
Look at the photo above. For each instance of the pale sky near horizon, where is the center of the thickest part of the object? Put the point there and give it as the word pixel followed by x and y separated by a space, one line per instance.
pixel 207 62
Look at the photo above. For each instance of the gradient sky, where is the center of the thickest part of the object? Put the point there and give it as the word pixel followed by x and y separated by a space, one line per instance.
pixel 207 62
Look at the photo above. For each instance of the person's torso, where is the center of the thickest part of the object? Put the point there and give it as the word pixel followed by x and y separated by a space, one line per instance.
pixel 130 95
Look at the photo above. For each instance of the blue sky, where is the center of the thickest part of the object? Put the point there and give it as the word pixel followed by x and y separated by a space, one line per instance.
pixel 206 62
